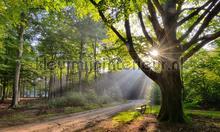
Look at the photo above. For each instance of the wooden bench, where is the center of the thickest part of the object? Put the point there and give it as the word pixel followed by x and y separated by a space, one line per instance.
pixel 141 109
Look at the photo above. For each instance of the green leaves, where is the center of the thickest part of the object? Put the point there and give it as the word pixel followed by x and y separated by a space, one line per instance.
pixel 201 78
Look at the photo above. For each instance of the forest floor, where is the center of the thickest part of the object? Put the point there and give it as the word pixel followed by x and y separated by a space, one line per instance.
pixel 27 121
pixel 101 120
pixel 37 110
pixel 148 123
pixel 133 121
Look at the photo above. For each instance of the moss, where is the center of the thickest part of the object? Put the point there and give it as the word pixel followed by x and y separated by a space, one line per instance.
pixel 127 116
pixel 152 109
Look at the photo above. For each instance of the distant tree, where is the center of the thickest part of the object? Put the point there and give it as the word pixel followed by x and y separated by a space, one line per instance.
pixel 16 14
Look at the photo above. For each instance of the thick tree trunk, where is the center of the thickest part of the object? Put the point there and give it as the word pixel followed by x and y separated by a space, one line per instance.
pixel 171 97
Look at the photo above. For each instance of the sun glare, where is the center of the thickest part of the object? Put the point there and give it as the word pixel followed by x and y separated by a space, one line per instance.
pixel 154 53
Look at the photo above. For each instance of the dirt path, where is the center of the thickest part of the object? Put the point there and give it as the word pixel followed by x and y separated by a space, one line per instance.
pixel 74 122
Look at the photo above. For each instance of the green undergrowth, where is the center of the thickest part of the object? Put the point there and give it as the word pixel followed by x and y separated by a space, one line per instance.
pixel 43 109
pixel 204 113
pixel 188 112
pixel 86 100
pixel 127 116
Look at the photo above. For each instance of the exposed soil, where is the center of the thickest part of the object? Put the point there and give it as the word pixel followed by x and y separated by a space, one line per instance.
pixel 148 123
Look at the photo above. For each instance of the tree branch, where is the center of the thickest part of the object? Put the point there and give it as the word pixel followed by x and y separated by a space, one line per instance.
pixel 129 44
pixel 106 21
pixel 144 67
pixel 210 36
pixel 196 12
pixel 196 22
pixel 180 4
pixel 147 36
pixel 153 18
pixel 206 39
pixel 159 7
pixel 205 23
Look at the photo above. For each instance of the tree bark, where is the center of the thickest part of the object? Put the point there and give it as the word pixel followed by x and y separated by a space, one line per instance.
pixel 81 65
pixel 51 83
pixel 18 64
pixel 3 90
pixel 87 73
pixel 61 81
pixel 94 56
pixel 45 87
pixel 35 88
pixel 171 96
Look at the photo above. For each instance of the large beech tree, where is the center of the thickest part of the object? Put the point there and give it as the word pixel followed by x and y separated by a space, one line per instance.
pixel 176 28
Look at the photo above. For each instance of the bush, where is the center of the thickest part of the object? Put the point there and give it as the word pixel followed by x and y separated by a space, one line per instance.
pixel 104 99
pixel 91 96
pixel 87 100
pixel 71 100
pixel 155 95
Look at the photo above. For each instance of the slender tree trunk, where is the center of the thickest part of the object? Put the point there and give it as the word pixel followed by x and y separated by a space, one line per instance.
pixel 67 74
pixel 95 65
pixel 50 91
pixel 45 87
pixel 45 78
pixel 23 89
pixel 73 75
pixel 54 89
pixel 61 81
pixel 35 88
pixel 80 66
pixel 3 90
pixel 87 72
pixel 18 64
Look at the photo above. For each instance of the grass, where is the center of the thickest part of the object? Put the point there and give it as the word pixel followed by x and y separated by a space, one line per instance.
pixel 124 117
pixel 204 113
pixel 152 109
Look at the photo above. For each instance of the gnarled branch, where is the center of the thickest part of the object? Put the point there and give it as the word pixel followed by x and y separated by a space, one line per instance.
pixel 144 67
pixel 159 7
pixel 147 36
pixel 129 44
pixel 106 21
pixel 206 39
pixel 154 21
pixel 196 22
pixel 196 12
pixel 205 23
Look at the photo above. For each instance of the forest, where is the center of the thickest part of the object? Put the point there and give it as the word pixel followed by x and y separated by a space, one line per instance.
pixel 83 64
